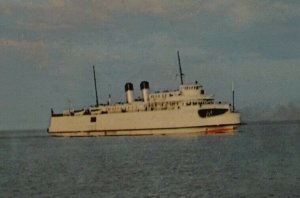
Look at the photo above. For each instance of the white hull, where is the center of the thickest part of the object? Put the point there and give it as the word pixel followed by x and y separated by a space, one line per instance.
pixel 180 121
pixel 199 130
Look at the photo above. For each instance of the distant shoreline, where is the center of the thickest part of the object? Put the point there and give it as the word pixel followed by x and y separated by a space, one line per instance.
pixel 259 122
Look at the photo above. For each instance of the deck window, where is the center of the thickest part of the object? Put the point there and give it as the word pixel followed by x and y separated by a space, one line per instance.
pixel 93 119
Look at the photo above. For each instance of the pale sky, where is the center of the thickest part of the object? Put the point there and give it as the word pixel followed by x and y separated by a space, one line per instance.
pixel 48 48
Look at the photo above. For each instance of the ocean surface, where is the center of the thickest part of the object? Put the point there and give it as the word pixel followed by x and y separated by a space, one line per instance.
pixel 259 160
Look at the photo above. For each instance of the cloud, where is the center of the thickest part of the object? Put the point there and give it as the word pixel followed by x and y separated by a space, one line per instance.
pixel 57 14
pixel 245 13
pixel 36 52
pixel 26 46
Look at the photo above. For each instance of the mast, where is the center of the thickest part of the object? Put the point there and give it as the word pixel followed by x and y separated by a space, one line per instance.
pixel 180 70
pixel 97 103
pixel 233 97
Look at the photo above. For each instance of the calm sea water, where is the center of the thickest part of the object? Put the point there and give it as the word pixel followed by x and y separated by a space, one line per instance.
pixel 260 160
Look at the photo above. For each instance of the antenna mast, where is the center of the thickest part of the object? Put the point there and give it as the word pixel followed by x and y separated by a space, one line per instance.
pixel 180 70
pixel 233 97
pixel 97 103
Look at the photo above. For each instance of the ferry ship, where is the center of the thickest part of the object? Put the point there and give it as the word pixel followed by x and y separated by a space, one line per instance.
pixel 187 110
